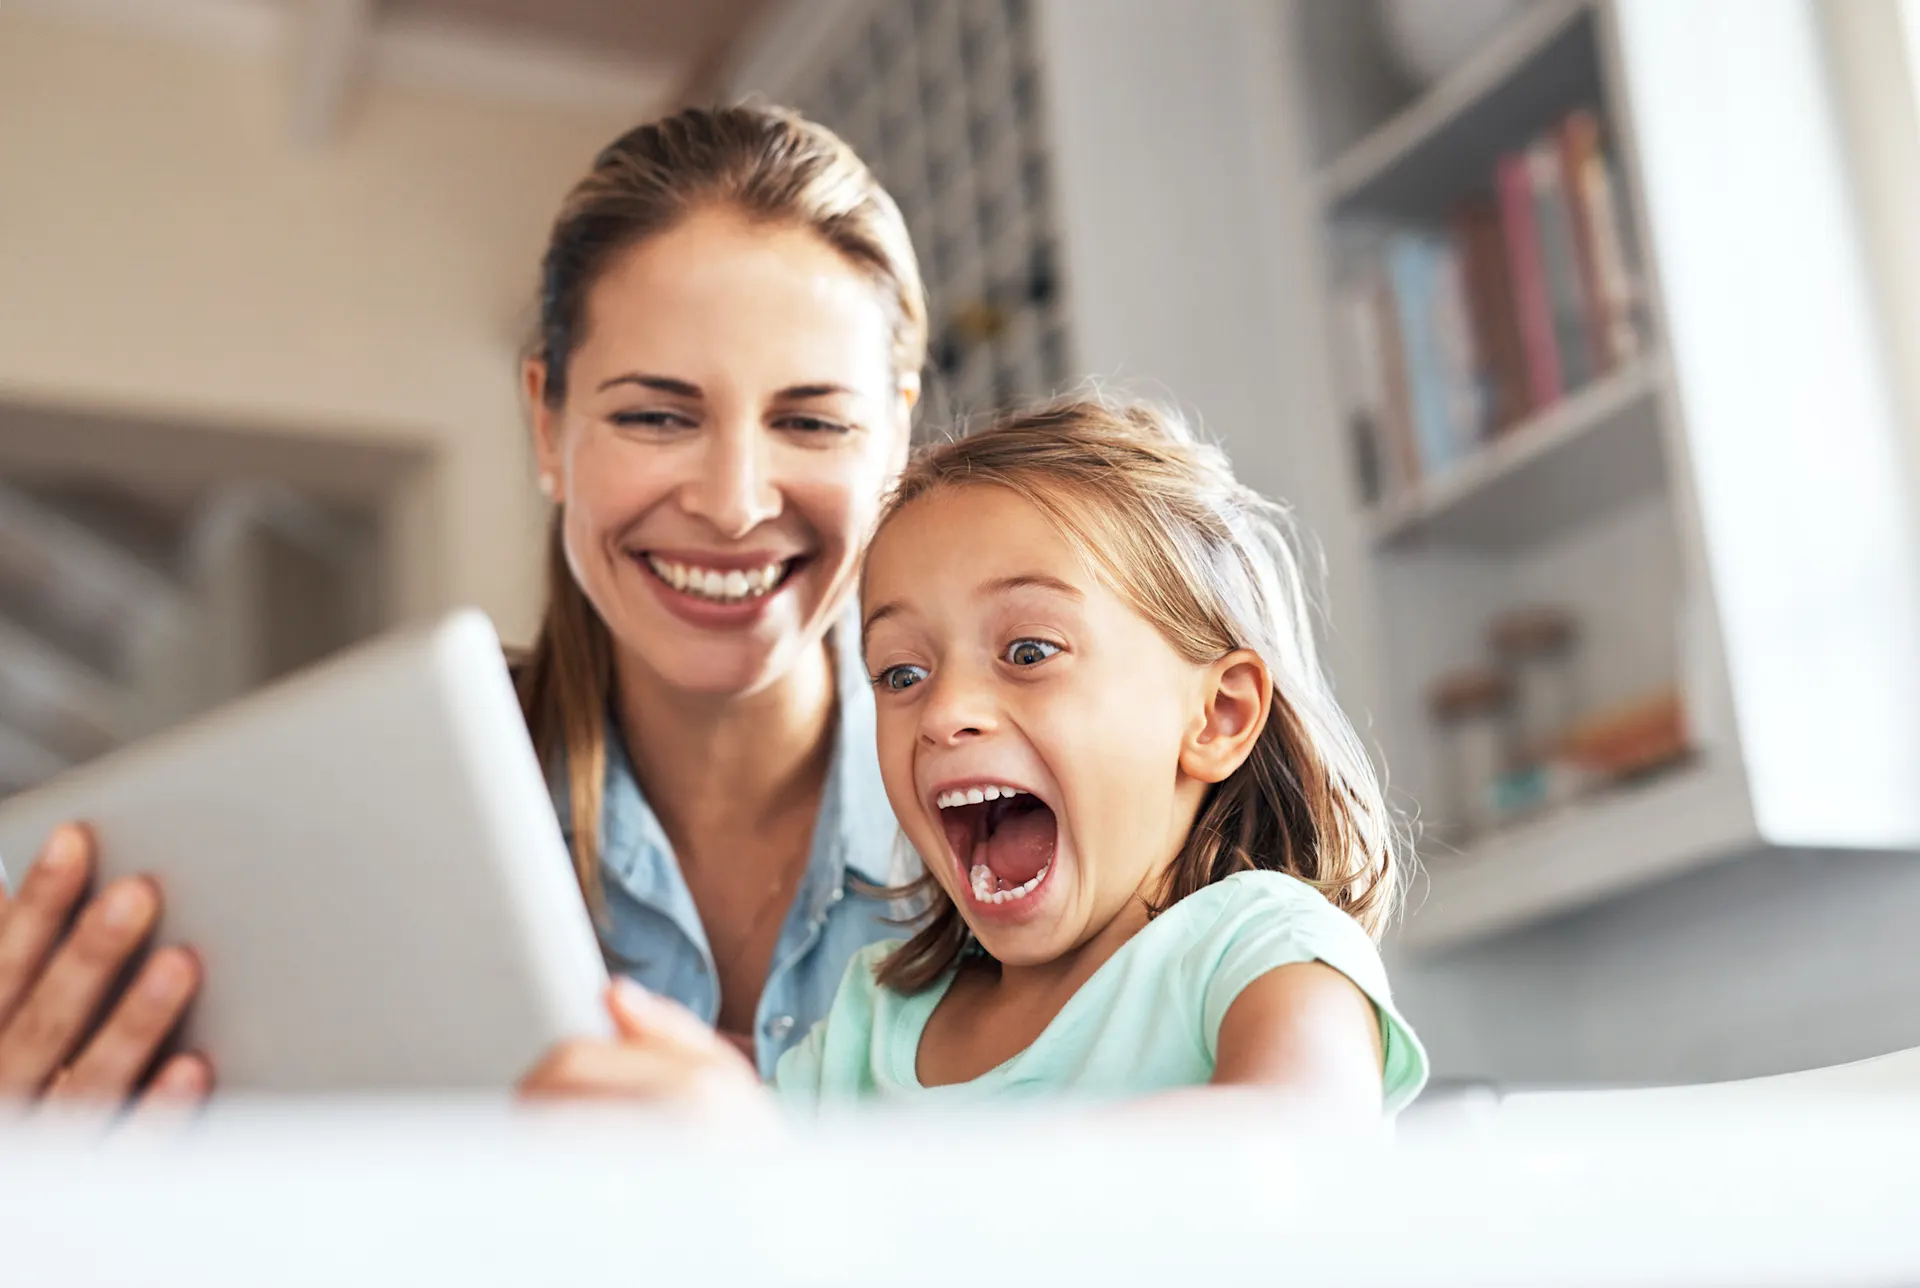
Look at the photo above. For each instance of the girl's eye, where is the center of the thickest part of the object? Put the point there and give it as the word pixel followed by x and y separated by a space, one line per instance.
pixel 650 420
pixel 1030 652
pixel 903 676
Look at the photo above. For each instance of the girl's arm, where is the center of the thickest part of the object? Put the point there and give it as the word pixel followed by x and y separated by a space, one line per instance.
pixel 1301 1042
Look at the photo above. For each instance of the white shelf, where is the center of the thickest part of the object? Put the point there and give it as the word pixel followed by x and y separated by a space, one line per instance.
pixel 1445 142
pixel 1583 457
pixel 1622 839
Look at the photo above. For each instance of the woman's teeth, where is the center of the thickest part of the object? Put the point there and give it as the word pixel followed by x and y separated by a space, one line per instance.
pixel 723 587
pixel 975 796
pixel 984 880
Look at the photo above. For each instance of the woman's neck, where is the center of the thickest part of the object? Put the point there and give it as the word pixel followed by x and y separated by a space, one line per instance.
pixel 716 766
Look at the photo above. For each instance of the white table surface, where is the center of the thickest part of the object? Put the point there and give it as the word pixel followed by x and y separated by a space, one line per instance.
pixel 1760 1189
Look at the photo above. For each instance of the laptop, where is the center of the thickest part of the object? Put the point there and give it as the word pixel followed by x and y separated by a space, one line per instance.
pixel 367 861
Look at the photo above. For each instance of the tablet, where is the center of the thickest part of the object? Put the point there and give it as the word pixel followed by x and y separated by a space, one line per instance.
pixel 366 859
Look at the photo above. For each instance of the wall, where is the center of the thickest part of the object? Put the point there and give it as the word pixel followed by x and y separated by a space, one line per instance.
pixel 167 253
pixel 1767 964
pixel 1874 58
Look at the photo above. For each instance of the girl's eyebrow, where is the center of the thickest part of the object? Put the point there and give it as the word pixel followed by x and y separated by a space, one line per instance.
pixel 878 615
pixel 998 586
pixel 1031 581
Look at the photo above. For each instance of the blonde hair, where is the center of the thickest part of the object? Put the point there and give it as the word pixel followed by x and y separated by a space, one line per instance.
pixel 1209 563
pixel 771 166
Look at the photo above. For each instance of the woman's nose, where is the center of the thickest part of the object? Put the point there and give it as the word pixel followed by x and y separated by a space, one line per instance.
pixel 734 489
pixel 959 707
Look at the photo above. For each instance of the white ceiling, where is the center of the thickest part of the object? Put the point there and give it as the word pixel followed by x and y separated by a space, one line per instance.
pixel 691 35
pixel 626 57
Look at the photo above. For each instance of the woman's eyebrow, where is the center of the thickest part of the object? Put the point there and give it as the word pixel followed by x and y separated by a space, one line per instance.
pixel 798 393
pixel 659 384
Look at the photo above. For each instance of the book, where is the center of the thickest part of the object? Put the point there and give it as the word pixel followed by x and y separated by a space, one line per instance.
pixel 1529 281
pixel 1578 138
pixel 1363 385
pixel 1459 363
pixel 1496 330
pixel 1595 199
pixel 1560 258
pixel 1402 453
pixel 1412 267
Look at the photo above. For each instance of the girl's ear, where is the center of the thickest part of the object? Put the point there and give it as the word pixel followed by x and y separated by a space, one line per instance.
pixel 1236 698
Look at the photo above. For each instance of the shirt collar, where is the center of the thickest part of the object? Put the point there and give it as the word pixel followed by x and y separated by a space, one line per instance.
pixel 855 831
pixel 855 792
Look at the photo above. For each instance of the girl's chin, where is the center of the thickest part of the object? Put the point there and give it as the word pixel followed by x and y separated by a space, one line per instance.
pixel 1025 950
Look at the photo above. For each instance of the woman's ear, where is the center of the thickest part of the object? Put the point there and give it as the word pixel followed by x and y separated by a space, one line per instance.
pixel 907 397
pixel 1236 696
pixel 546 454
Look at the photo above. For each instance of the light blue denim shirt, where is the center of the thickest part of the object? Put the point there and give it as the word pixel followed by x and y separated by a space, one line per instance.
pixel 653 932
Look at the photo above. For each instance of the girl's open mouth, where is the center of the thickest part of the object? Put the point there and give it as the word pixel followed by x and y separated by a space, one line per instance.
pixel 1003 837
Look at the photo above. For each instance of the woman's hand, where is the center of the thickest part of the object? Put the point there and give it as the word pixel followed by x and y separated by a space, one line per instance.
pixel 663 1055
pixel 57 977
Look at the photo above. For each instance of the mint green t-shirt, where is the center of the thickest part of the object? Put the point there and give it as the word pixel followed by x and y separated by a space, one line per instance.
pixel 1148 1020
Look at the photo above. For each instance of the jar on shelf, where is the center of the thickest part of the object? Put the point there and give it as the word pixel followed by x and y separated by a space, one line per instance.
pixel 1474 710
pixel 1536 648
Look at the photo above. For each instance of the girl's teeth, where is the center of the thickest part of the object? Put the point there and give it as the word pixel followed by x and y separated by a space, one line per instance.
pixel 984 881
pixel 728 587
pixel 975 796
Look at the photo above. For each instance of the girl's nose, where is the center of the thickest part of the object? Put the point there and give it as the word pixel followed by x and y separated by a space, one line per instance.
pixel 958 708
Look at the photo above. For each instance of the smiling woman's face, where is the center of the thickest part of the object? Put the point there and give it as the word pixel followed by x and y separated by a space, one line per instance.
pixel 731 422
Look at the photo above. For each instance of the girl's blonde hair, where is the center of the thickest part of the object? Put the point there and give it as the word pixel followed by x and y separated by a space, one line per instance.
pixel 771 166
pixel 1209 563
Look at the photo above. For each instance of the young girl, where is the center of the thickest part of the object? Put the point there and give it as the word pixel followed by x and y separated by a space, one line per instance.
pixel 1156 855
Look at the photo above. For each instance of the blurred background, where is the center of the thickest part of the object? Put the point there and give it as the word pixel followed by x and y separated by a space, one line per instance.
pixel 1584 335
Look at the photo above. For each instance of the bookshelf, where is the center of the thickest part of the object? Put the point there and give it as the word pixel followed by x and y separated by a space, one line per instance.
pixel 1717 507
pixel 1558 470
pixel 1538 67
pixel 1632 496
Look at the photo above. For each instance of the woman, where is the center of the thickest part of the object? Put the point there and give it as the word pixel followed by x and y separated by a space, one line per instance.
pixel 732 326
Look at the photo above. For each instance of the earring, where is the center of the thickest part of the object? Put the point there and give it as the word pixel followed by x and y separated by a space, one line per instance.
pixel 549 485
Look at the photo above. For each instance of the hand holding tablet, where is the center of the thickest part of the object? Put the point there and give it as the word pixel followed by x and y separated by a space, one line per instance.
pixel 366 863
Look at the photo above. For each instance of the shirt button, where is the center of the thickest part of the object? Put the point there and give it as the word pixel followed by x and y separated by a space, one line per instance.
pixel 779 1026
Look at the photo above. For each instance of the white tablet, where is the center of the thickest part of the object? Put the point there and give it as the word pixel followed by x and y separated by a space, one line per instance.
pixel 367 861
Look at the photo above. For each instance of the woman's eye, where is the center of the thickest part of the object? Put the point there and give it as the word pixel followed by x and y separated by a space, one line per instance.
pixel 650 420
pixel 812 425
pixel 903 676
pixel 1030 652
